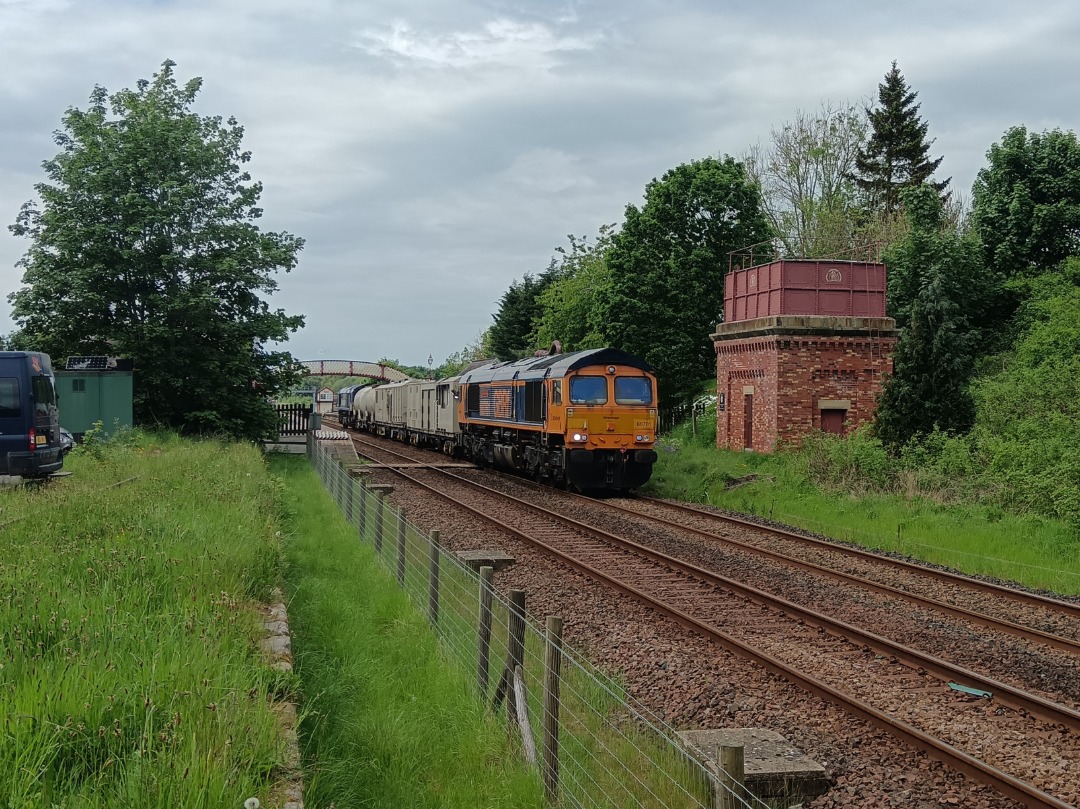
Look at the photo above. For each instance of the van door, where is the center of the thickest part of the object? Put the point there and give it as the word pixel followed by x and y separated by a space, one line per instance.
pixel 46 413
pixel 12 421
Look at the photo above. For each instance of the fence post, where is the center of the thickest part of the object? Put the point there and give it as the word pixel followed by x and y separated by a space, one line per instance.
pixel 401 529
pixel 521 713
pixel 486 576
pixel 350 495
pixel 730 763
pixel 378 521
pixel 433 580
pixel 361 521
pixel 550 740
pixel 515 649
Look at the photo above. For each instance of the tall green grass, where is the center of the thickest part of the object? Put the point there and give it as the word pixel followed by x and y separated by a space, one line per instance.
pixel 129 665
pixel 389 721
pixel 849 489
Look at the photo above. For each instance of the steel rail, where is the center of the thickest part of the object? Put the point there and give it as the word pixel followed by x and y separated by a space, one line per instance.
pixel 1000 624
pixel 1066 607
pixel 915 659
pixel 1006 784
pixel 942 669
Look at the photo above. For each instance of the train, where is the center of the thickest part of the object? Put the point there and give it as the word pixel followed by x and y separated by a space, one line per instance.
pixel 581 420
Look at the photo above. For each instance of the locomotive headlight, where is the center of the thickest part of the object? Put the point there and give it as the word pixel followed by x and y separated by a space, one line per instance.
pixel 638 438
pixel 580 437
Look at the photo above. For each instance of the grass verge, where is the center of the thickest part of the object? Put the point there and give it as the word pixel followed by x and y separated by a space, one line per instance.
pixel 129 671
pixel 387 721
pixel 974 538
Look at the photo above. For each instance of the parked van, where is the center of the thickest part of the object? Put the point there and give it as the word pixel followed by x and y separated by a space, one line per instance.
pixel 29 417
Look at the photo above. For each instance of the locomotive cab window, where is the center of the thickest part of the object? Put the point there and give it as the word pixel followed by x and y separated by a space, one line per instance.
pixel 556 391
pixel 633 390
pixel 588 390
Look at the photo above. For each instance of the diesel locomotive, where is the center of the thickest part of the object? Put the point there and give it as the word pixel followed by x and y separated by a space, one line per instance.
pixel 584 419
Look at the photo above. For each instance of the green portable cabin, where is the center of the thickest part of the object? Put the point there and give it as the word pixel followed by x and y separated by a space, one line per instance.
pixel 95 389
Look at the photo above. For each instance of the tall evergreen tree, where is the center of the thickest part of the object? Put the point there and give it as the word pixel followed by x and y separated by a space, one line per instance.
pixel 511 333
pixel 896 156
pixel 938 295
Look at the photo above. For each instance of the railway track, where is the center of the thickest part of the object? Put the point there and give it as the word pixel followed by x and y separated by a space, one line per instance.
pixel 887 684
pixel 1029 612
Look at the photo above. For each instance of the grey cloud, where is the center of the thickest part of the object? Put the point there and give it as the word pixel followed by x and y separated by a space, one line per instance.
pixel 430 153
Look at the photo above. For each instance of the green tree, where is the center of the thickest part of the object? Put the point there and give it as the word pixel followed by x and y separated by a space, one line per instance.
pixel 454 364
pixel 805 174
pixel 938 295
pixel 511 333
pixel 667 268
pixel 1028 423
pixel 1026 202
pixel 896 155
pixel 144 245
pixel 570 306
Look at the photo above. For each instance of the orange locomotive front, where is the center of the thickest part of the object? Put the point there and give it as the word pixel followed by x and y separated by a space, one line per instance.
pixel 585 419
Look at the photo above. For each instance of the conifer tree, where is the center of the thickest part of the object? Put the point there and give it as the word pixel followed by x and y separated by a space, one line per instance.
pixel 511 333
pixel 896 156
pixel 938 295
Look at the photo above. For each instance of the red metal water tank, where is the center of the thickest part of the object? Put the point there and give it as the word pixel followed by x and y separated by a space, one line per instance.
pixel 805 287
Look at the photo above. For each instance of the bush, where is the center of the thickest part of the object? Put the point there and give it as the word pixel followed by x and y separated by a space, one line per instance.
pixel 856 463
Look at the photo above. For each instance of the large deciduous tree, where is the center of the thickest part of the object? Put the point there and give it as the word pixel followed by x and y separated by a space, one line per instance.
pixel 805 174
pixel 897 153
pixel 1026 202
pixel 938 295
pixel 570 307
pixel 667 268
pixel 144 245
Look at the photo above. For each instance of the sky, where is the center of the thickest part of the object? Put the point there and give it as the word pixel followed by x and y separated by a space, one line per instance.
pixel 430 152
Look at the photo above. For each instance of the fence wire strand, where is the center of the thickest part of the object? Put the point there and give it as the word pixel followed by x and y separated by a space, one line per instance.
pixel 614 752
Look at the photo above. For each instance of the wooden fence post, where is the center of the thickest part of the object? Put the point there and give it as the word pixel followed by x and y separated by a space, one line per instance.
pixel 550 739
pixel 361 521
pixel 486 576
pixel 402 528
pixel 350 495
pixel 378 521
pixel 515 649
pixel 521 711
pixel 729 759
pixel 433 580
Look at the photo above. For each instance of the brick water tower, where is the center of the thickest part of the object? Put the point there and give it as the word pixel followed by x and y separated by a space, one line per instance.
pixel 804 346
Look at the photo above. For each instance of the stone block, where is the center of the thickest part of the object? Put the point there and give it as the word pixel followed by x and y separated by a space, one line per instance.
pixel 477 559
pixel 775 769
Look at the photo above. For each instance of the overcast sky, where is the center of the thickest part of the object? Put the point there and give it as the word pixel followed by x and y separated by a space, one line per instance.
pixel 431 151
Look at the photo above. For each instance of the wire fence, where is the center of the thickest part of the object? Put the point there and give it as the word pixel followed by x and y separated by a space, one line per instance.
pixel 598 746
